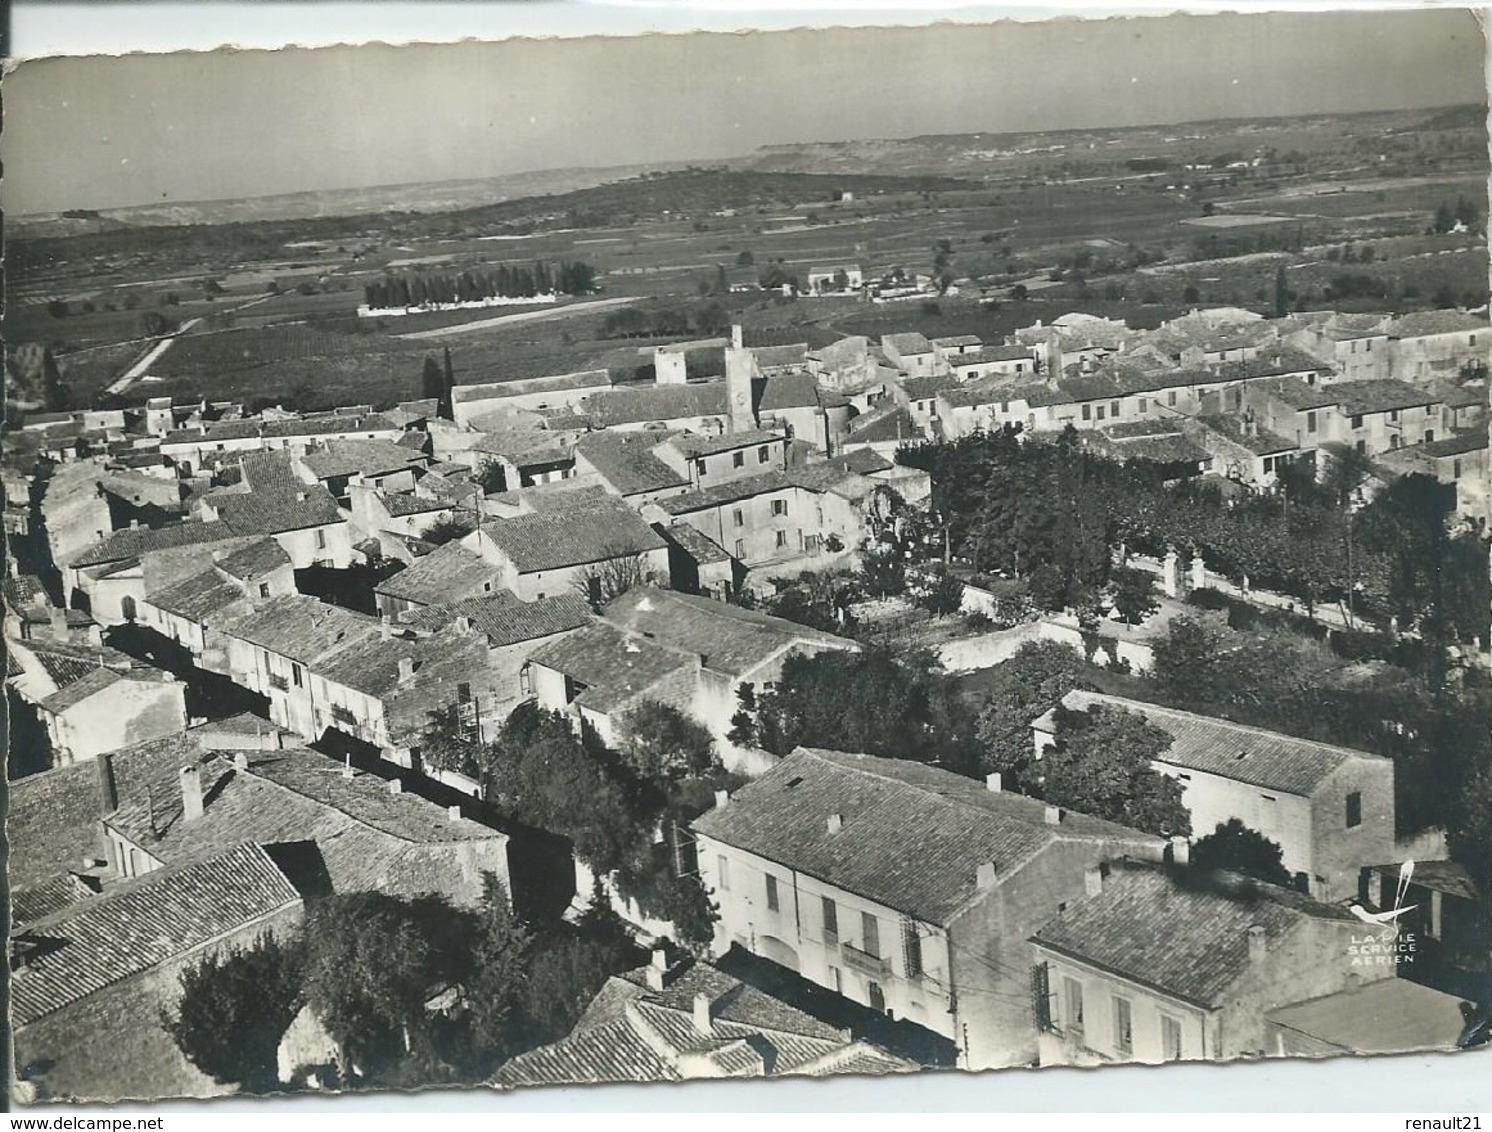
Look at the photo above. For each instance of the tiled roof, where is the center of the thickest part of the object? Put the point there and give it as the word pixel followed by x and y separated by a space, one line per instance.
pixel 64 662
pixel 276 500
pixel 254 560
pixel 1246 754
pixel 862 462
pixel 1356 397
pixel 634 1033
pixel 144 923
pixel 1261 442
pixel 642 404
pixel 957 340
pixel 574 537
pixel 300 627
pixel 1034 395
pixel 37 902
pixel 787 391
pixel 505 619
pixel 198 596
pixel 890 422
pixel 1298 395
pixel 555 383
pixel 626 461
pixel 1190 941
pixel 132 543
pixel 772 357
pixel 448 571
pixel 1423 324
pixel 523 446
pixel 399 503
pixel 612 666
pixel 732 491
pixel 906 344
pixel 1450 446
pixel 727 638
pixel 556 495
pixel 991 354
pixel 698 545
pixel 348 457
pixel 95 682
pixel 691 444
pixel 1383 1016
pixel 1171 447
pixel 925 388
pixel 52 823
pixel 911 837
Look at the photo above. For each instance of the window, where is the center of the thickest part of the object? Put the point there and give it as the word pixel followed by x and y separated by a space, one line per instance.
pixel 1072 1005
pixel 264 587
pixel 740 548
pixel 699 466
pixel 1124 1028
pixel 320 539
pixel 1429 436
pixel 1356 421
pixel 763 454
pixel 772 904
pixel 1393 414
pixel 1171 398
pixel 781 539
pixel 1170 1038
pixel 1144 406
pixel 1311 422
pixel 1456 469
pixel 1087 412
pixel 831 921
pixel 1471 340
pixel 1362 447
pixel 297 675
pixel 779 507
pixel 836 980
pixel 722 870
pixel 738 518
pixel 525 681
pixel 1368 346
pixel 1354 809
pixel 1100 412
pixel 870 934
pixel 738 459
pixel 1114 409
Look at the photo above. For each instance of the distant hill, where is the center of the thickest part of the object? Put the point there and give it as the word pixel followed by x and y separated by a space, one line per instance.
pixel 1456 118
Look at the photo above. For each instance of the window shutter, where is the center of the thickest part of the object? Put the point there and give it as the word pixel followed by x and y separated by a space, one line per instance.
pixel 1041 997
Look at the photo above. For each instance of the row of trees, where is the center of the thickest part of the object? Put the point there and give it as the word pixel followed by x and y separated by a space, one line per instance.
pixel 368 965
pixel 667 320
pixel 1056 515
pixel 506 281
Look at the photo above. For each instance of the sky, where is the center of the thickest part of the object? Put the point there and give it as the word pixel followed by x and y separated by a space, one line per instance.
pixel 112 131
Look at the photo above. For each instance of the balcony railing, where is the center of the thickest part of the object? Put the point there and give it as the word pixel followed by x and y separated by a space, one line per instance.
pixel 279 683
pixel 863 961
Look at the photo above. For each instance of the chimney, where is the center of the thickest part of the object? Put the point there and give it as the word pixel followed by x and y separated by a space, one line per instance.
pixel 463 625
pixel 108 791
pixel 396 786
pixel 406 669
pixel 835 823
pixel 1052 815
pixel 704 1014
pixel 721 798
pixel 737 339
pixel 347 771
pixel 240 760
pixel 993 782
pixel 385 630
pixel 1181 851
pixel 134 524
pixel 191 793
pixel 57 618
pixel 984 877
pixel 453 813
pixel 1093 880
pixel 657 972
pixel 1258 943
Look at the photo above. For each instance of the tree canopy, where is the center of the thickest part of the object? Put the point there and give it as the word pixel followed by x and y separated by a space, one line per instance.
pixel 235 1007
pixel 1024 688
pixel 873 701
pixel 1101 765
pixel 1234 847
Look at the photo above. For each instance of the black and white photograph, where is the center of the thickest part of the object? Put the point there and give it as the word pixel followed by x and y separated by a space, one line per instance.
pixel 838 550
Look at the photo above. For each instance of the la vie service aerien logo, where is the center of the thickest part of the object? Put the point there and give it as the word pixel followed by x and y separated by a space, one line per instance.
pixel 1389 945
